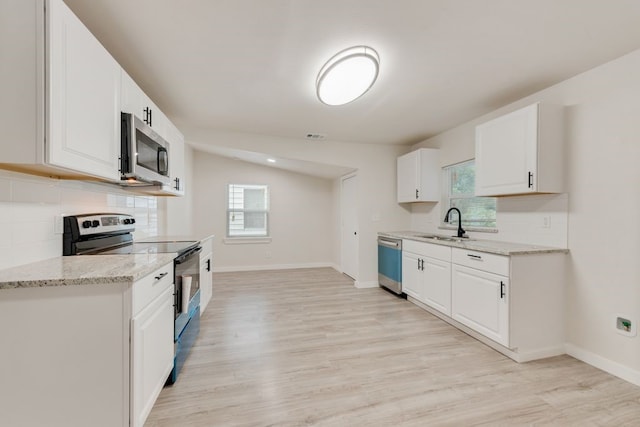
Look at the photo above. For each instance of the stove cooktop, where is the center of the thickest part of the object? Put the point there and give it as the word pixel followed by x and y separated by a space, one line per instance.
pixel 151 248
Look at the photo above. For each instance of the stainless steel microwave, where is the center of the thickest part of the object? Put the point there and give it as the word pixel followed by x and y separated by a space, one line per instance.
pixel 144 155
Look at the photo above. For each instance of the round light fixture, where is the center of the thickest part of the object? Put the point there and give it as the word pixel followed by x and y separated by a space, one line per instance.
pixel 347 75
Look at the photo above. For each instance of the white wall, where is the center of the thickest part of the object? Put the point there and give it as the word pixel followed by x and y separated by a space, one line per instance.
pixel 376 169
pixel 602 232
pixel 300 216
pixel 29 206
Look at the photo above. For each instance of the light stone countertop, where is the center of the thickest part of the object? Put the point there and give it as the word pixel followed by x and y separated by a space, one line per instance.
pixel 181 238
pixel 83 270
pixel 488 246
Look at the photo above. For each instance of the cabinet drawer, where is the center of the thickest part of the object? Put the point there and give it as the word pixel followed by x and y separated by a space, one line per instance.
pixel 427 249
pixel 497 264
pixel 151 286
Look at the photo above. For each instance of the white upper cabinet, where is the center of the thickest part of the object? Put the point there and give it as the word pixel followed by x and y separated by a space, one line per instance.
pixel 59 112
pixel 83 103
pixel 62 94
pixel 419 176
pixel 135 101
pixel 521 152
pixel 176 165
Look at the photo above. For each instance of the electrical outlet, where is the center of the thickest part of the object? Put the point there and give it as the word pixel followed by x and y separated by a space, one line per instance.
pixel 625 326
pixel 546 222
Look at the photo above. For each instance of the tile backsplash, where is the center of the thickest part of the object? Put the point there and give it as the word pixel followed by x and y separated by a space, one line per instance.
pixel 30 206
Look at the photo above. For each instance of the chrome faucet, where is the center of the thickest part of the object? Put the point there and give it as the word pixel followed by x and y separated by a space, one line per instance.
pixel 460 229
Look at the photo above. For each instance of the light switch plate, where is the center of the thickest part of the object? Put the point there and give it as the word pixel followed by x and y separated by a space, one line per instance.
pixel 58 224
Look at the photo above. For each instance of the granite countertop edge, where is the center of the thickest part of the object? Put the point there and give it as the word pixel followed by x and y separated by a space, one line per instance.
pixel 479 245
pixel 83 270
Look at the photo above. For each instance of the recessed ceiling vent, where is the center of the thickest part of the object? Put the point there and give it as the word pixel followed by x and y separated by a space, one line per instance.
pixel 315 136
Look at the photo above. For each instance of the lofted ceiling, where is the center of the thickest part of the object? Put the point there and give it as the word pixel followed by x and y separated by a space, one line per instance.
pixel 250 66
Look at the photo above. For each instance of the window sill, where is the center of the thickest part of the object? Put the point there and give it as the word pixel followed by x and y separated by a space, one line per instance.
pixel 474 229
pixel 246 240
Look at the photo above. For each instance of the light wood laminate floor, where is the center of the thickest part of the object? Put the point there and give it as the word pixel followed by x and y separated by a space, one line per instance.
pixel 304 347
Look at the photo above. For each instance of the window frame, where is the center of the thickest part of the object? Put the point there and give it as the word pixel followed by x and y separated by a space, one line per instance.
pixel 266 211
pixel 447 197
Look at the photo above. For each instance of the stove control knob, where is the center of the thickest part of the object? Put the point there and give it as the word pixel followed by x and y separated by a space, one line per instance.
pixel 132 221
pixel 127 221
pixel 86 224
pixel 95 223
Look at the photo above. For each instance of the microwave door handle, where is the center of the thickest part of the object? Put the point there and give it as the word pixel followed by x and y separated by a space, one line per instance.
pixel 127 132
pixel 163 161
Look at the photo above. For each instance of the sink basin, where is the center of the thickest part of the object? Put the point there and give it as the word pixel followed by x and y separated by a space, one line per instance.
pixel 443 238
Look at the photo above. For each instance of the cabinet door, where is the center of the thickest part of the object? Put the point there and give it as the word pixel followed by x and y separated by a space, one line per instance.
pixel 480 300
pixel 176 166
pixel 506 154
pixel 419 176
pixel 206 281
pixel 83 102
pixel 411 275
pixel 134 100
pixel 437 285
pixel 408 177
pixel 130 95
pixel 152 354
pixel 159 122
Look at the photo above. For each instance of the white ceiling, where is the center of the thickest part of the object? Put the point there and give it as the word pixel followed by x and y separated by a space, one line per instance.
pixel 250 65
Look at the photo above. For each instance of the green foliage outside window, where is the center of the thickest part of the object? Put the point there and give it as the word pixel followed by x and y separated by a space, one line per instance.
pixel 479 212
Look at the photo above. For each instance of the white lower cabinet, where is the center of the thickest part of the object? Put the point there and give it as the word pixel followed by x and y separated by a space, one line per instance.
pixel 426 274
pixel 437 284
pixel 480 301
pixel 86 355
pixel 513 303
pixel 411 275
pixel 152 351
pixel 206 273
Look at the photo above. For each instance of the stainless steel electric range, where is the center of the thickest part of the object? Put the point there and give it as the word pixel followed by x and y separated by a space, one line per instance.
pixel 111 234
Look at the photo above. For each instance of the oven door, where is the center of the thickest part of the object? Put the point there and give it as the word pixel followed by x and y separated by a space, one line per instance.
pixel 187 265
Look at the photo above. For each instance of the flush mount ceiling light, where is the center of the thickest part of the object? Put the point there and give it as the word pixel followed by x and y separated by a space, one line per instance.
pixel 347 75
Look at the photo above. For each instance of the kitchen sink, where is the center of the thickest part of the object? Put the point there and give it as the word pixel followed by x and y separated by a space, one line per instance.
pixel 443 238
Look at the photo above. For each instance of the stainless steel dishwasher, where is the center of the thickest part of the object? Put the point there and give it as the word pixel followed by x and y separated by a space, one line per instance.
pixel 390 264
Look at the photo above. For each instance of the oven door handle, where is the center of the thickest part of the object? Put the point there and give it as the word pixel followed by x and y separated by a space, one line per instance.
pixel 183 257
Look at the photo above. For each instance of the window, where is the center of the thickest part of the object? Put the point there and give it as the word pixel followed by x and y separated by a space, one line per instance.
pixel 248 211
pixel 459 181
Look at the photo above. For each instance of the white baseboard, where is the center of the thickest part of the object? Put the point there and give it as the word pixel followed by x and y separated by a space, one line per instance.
pixel 527 356
pixel 273 267
pixel 363 285
pixel 614 368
